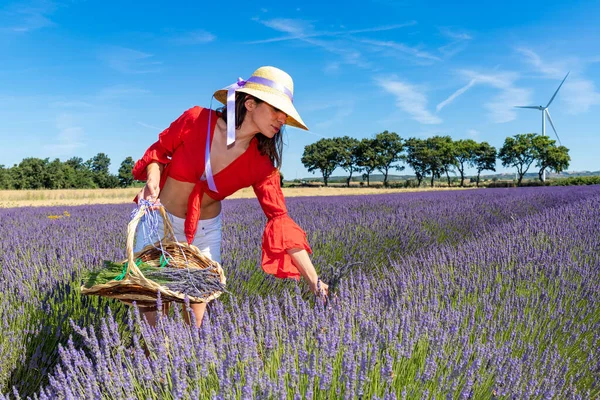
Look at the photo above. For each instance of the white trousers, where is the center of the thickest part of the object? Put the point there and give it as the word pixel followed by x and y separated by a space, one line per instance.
pixel 207 239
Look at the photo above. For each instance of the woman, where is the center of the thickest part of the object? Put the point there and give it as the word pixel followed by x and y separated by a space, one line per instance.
pixel 205 156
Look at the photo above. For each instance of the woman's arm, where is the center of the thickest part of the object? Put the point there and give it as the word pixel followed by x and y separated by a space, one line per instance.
pixel 152 188
pixel 306 268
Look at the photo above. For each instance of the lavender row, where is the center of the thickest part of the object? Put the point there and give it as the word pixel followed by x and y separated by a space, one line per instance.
pixel 513 314
pixel 41 256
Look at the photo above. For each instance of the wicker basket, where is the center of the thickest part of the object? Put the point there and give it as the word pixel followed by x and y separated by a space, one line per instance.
pixel 136 287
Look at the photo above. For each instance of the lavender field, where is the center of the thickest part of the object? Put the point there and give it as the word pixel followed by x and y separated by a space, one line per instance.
pixel 480 294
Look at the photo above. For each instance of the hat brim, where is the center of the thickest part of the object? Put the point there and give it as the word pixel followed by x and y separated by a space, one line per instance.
pixel 277 101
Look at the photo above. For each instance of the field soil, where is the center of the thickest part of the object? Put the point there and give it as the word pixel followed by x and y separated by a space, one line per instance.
pixel 27 198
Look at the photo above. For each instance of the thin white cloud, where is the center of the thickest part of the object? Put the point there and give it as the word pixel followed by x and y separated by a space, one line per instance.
pixel 154 128
pixel 311 132
pixel 400 47
pixel 304 31
pixel 453 48
pixel 194 38
pixel 550 70
pixel 337 118
pixel 577 92
pixel 28 16
pixel 501 106
pixel 459 41
pixel 473 133
pixel 118 91
pixel 70 104
pixel 294 28
pixel 410 99
pixel 455 35
pixel 69 139
pixel 332 68
pixel 454 95
pixel 339 42
pixel 298 29
pixel 580 95
pixel 129 61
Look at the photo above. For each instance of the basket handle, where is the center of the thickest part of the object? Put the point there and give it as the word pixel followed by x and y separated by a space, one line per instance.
pixel 169 235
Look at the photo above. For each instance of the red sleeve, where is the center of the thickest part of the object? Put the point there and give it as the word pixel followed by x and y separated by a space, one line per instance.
pixel 281 232
pixel 168 140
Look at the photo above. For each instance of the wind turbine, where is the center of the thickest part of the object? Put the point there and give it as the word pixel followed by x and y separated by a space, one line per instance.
pixel 546 113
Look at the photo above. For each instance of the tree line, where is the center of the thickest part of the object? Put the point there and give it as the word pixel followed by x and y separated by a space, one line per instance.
pixel 433 157
pixel 38 173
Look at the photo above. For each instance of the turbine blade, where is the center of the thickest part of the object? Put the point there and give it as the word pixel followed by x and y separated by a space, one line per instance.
pixel 534 107
pixel 563 81
pixel 552 124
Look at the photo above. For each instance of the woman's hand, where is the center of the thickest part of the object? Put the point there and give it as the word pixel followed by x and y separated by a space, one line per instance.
pixel 321 289
pixel 306 268
pixel 151 190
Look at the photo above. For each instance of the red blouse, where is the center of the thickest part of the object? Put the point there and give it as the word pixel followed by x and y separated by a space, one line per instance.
pixel 181 149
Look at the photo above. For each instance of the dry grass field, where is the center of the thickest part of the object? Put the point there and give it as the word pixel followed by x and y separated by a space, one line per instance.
pixel 26 198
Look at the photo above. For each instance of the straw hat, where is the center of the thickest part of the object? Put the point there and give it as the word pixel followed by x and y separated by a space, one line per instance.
pixel 271 85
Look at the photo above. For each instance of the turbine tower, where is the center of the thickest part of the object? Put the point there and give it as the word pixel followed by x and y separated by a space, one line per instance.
pixel 546 113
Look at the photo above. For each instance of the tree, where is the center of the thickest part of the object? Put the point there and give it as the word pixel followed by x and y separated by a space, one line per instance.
pixel 465 150
pixel 444 150
pixel 125 175
pixel 417 155
pixel 5 178
pixel 366 157
pixel 388 150
pixel 348 155
pixel 484 158
pixel 81 175
pixel 54 176
pixel 98 165
pixel 321 155
pixel 439 156
pixel 518 151
pixel 76 163
pixel 30 173
pixel 549 156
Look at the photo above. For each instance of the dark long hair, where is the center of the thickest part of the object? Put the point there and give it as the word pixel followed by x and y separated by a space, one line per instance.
pixel 272 147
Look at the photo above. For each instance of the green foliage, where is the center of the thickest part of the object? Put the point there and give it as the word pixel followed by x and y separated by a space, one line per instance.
pixel 435 155
pixel 522 150
pixel 366 157
pixel 37 173
pixel 549 156
pixel 99 163
pixel 348 155
pixel 576 180
pixel 465 153
pixel 416 157
pixel 125 175
pixel 440 155
pixel 30 173
pixel 5 178
pixel 484 158
pixel 518 151
pixel 322 155
pixel 99 166
pixel 388 148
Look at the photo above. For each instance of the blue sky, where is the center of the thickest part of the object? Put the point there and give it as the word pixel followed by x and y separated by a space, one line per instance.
pixel 82 77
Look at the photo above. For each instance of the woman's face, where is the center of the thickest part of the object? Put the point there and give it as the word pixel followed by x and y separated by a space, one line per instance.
pixel 268 119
